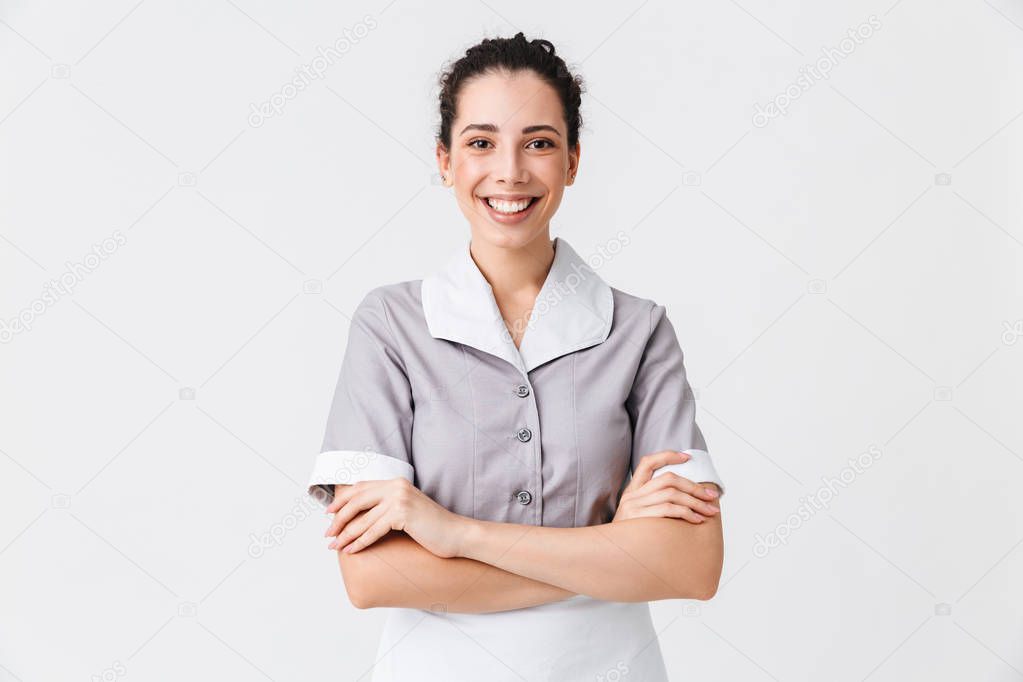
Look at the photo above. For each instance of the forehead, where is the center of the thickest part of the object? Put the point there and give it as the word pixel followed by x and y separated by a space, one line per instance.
pixel 509 101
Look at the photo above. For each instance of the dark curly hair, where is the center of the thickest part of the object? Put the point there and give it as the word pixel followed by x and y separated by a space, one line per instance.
pixel 511 54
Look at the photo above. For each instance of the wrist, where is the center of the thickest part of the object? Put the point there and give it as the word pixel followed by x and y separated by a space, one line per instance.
pixel 468 531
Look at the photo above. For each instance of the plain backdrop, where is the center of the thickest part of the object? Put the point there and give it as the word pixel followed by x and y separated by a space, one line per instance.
pixel 178 275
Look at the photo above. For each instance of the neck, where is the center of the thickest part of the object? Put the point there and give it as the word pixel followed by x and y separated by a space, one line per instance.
pixel 514 272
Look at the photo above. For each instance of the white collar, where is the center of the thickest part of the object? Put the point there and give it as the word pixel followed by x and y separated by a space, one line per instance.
pixel 573 310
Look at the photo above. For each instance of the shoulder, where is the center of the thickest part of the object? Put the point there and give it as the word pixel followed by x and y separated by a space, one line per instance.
pixel 385 310
pixel 397 301
pixel 636 315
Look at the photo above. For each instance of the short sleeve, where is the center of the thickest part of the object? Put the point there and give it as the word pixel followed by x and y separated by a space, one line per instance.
pixel 662 407
pixel 369 426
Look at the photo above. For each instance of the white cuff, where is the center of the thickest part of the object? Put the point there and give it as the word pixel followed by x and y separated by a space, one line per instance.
pixel 699 469
pixel 352 466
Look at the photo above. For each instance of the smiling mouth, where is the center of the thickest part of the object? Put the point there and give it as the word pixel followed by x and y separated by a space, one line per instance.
pixel 509 208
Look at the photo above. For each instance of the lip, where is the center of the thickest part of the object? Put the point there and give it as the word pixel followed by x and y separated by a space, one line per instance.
pixel 508 197
pixel 504 218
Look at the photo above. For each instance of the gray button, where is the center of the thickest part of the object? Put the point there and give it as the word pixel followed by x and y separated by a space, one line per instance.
pixel 524 497
pixel 524 434
pixel 522 390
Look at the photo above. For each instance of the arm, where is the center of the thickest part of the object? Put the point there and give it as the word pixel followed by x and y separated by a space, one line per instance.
pixel 642 559
pixel 463 584
pixel 369 437
pixel 397 571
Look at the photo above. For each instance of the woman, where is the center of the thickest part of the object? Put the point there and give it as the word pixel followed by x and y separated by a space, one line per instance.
pixel 487 417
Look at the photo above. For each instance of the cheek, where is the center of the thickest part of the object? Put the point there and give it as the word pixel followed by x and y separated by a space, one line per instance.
pixel 554 200
pixel 467 181
pixel 468 167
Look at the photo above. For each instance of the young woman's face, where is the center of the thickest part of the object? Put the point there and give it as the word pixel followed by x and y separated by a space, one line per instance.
pixel 509 160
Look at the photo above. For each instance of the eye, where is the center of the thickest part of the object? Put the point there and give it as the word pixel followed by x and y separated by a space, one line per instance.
pixel 472 143
pixel 550 145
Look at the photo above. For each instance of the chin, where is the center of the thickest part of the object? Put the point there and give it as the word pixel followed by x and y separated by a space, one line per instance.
pixel 505 237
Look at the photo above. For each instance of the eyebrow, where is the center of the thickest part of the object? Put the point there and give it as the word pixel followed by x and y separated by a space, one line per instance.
pixel 491 128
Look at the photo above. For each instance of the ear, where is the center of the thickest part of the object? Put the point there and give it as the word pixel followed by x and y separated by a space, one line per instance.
pixel 573 164
pixel 444 165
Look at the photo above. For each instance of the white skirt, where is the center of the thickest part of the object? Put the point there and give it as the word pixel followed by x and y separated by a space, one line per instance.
pixel 579 639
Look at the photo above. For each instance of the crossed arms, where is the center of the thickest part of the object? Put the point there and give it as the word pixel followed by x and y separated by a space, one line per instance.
pixel 633 560
pixel 507 566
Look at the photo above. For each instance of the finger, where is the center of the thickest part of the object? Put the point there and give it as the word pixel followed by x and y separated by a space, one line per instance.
pixel 645 469
pixel 676 497
pixel 712 489
pixel 643 507
pixel 349 512
pixel 337 531
pixel 670 478
pixel 669 510
pixel 376 531
pixel 342 491
pixel 686 500
pixel 356 504
pixel 648 463
pixel 356 528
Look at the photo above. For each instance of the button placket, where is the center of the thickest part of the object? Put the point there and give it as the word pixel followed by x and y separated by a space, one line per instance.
pixel 524 435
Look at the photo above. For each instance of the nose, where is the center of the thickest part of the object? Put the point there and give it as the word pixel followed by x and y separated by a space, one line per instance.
pixel 510 169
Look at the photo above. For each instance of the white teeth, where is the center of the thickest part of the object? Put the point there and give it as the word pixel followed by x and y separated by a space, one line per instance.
pixel 508 206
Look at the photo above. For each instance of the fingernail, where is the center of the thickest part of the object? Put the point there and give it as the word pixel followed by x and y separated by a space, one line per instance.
pixel 711 492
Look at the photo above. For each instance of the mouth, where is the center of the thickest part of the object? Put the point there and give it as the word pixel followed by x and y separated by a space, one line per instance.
pixel 508 210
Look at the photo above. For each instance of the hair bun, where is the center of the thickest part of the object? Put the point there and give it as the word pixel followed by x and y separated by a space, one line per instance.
pixel 547 45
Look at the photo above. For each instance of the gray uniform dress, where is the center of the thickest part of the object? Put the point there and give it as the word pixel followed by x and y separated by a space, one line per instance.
pixel 433 389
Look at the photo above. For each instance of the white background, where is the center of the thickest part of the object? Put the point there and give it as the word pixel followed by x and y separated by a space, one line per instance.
pixel 847 276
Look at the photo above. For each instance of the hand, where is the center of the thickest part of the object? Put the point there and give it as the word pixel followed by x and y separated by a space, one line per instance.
pixel 667 495
pixel 393 504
